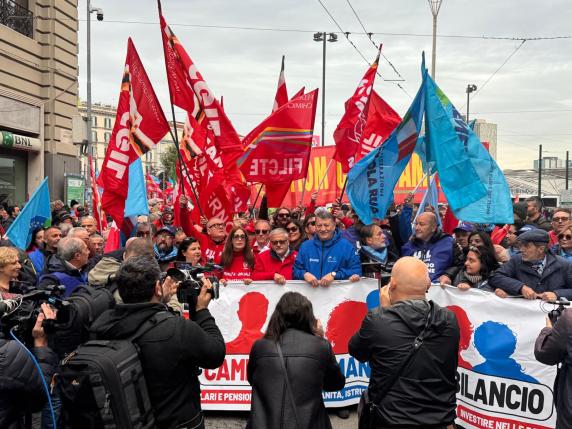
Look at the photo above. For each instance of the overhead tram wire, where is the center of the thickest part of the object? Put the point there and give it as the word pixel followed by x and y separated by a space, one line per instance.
pixel 496 71
pixel 347 36
pixel 369 34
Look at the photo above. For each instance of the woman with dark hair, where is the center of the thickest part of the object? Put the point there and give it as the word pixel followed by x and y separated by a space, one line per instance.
pixel 296 234
pixel 374 250
pixel 293 347
pixel 237 257
pixel 310 225
pixel 479 266
pixel 189 252
pixel 37 240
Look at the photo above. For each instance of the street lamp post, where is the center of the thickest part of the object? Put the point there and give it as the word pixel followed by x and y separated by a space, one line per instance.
pixel 540 171
pixel 321 37
pixel 470 88
pixel 435 5
pixel 99 14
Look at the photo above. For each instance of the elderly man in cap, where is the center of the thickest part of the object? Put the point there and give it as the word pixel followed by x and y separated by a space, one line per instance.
pixel 535 272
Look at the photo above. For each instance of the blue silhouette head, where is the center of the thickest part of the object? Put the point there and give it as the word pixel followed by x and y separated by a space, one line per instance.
pixel 495 340
pixel 372 300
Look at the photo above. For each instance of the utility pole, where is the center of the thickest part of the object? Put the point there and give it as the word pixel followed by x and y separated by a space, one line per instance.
pixel 540 172
pixel 435 5
pixel 567 168
pixel 321 37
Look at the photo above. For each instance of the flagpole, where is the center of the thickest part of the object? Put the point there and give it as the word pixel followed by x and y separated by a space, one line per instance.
pixel 343 189
pixel 325 175
pixel 257 195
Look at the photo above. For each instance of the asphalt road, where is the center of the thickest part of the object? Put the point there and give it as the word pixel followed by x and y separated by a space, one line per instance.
pixel 237 420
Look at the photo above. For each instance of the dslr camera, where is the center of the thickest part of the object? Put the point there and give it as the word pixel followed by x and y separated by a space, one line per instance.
pixel 190 278
pixel 556 312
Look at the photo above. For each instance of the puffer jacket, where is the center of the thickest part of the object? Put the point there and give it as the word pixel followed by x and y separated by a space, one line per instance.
pixel 425 395
pixel 58 272
pixel 322 257
pixel 311 367
pixel 21 388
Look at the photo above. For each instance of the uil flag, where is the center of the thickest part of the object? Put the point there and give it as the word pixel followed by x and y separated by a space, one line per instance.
pixel 372 180
pixel 348 134
pixel 278 150
pixel 35 214
pixel 139 124
pixel 474 185
pixel 281 97
pixel 204 106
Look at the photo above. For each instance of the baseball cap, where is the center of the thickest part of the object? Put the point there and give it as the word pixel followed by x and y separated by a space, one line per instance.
pixel 167 229
pixel 464 226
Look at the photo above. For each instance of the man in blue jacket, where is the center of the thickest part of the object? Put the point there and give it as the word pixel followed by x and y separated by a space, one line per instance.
pixel 327 256
pixel 535 272
pixel 431 246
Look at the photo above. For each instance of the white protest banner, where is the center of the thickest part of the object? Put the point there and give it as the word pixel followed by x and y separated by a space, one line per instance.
pixel 242 314
pixel 499 383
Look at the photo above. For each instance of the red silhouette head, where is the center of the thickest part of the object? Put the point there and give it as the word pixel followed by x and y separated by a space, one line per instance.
pixel 466 332
pixel 345 320
pixel 252 312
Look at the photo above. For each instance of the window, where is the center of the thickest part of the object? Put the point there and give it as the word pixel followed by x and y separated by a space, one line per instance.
pixel 107 137
pixel 107 123
pixel 93 121
pixel 94 136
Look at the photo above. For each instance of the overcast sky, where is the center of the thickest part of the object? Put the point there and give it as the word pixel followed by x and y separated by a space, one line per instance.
pixel 530 97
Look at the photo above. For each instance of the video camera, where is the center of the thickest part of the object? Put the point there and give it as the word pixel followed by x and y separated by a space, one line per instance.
pixel 21 312
pixel 191 277
pixel 555 313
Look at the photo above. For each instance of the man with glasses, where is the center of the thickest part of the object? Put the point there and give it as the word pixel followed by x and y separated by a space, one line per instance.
pixel 261 241
pixel 560 221
pixel 145 230
pixel 327 257
pixel 277 262
pixel 282 217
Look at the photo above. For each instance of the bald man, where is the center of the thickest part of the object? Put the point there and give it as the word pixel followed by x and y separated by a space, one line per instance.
pixel 430 245
pixel 424 394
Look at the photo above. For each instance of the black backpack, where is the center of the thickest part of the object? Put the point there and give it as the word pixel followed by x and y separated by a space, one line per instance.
pixel 102 384
pixel 86 303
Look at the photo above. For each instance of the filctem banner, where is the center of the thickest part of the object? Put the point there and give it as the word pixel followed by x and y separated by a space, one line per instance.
pixel 499 383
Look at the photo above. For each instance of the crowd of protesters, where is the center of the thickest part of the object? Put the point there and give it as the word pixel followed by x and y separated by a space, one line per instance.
pixel 531 258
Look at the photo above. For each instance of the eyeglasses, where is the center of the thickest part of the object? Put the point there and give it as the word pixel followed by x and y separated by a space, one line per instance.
pixel 312 223
pixel 292 229
pixel 560 219
pixel 217 225
pixel 239 237
pixel 144 234
pixel 261 231
pixel 284 215
pixel 564 237
pixel 278 242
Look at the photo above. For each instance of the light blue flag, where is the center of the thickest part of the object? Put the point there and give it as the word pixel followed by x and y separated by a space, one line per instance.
pixel 431 197
pixel 475 187
pixel 35 214
pixel 136 203
pixel 372 180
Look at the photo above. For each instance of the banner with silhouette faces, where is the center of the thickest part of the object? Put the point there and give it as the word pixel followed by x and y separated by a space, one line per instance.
pixel 499 383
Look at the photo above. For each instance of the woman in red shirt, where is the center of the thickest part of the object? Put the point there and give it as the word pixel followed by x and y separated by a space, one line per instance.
pixel 237 257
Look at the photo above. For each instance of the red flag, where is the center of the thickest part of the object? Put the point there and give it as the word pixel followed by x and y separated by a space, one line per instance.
pixel 299 93
pixel 225 137
pixel 381 121
pixel 139 124
pixel 450 222
pixel 281 97
pixel 100 220
pixel 499 233
pixel 113 241
pixel 348 134
pixel 278 150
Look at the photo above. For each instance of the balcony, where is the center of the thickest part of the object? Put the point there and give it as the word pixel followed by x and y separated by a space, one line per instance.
pixel 17 17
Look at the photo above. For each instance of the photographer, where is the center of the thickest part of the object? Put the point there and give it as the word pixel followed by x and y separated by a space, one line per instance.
pixel 554 346
pixel 21 387
pixel 171 352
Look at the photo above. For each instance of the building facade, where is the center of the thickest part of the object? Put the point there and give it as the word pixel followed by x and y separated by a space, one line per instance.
pixel 487 133
pixel 103 120
pixel 38 95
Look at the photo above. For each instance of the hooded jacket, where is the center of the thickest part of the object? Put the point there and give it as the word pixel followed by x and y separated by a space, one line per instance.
pixel 437 253
pixel 425 393
pixel 106 268
pixel 58 272
pixel 171 354
pixel 516 273
pixel 323 257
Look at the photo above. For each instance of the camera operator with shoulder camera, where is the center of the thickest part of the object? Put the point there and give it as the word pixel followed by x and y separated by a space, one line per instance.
pixel 173 350
pixel 554 347
pixel 21 386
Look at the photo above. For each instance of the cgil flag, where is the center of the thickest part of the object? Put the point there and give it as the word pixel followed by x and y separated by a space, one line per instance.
pixel 474 185
pixel 348 134
pixel 281 96
pixel 139 124
pixel 372 180
pixel 278 149
pixel 35 214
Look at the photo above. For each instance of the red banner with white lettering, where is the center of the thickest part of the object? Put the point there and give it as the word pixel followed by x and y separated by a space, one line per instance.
pixel 348 134
pixel 139 124
pixel 99 217
pixel 278 150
